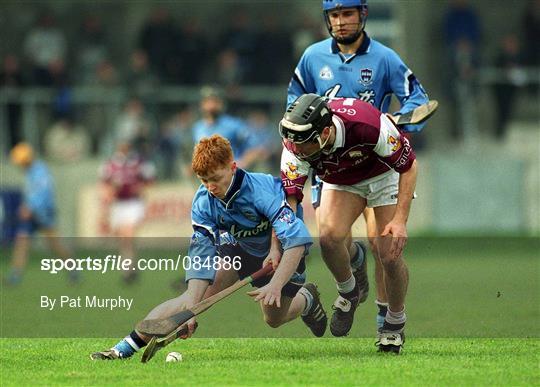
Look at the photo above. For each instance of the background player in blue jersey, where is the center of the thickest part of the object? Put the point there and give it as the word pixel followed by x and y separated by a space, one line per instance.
pixel 214 120
pixel 37 212
pixel 352 64
pixel 236 213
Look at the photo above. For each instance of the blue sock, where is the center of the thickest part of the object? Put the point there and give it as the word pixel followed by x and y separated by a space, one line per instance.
pixel 383 308
pixel 129 345
pixel 359 257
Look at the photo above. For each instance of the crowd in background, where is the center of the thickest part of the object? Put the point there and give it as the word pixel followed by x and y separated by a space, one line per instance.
pixel 168 52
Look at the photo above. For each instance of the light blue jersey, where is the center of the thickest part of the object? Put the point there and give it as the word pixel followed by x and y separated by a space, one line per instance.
pixel 372 74
pixel 253 206
pixel 233 129
pixel 39 193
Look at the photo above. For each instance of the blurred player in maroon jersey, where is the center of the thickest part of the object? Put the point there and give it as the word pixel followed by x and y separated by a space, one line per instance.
pixel 123 180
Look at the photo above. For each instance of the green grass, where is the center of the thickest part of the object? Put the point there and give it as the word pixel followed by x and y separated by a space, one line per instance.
pixel 473 312
pixel 278 362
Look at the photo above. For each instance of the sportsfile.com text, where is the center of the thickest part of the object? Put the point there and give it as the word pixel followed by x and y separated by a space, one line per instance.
pixel 117 263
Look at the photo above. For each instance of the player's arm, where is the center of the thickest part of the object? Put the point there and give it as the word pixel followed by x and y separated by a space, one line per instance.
pixel 293 236
pixel 407 89
pixel 407 184
pixel 395 150
pixel 294 174
pixel 275 253
pixel 301 80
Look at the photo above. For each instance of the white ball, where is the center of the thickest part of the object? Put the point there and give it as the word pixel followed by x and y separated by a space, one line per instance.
pixel 173 357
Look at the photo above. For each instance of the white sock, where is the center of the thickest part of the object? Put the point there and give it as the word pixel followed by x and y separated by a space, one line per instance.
pixel 396 317
pixel 346 286
pixel 309 300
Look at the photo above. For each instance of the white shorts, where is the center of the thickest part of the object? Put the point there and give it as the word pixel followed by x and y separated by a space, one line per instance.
pixel 126 213
pixel 379 191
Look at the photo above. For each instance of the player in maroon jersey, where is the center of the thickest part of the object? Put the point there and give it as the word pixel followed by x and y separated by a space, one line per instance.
pixel 123 179
pixel 363 160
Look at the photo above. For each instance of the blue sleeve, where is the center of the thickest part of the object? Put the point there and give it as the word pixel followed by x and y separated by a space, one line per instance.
pixel 290 229
pixel 407 89
pixel 301 81
pixel 202 247
pixel 39 193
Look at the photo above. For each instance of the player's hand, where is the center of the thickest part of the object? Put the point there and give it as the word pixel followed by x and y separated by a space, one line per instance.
pixel 273 258
pixel 398 231
pixel 192 327
pixel 268 294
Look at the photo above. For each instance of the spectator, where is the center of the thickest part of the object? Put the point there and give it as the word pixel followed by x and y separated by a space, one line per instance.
pixel 44 46
pixel 510 59
pixel 160 40
pixel 140 79
pixel 91 50
pixel 214 120
pixel 133 125
pixel 193 52
pixel 274 54
pixel 462 37
pixel 531 27
pixel 173 143
pixel 66 141
pixel 11 81
pixel 241 39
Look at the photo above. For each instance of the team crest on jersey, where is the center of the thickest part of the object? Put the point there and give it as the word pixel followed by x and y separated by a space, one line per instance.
pixel 287 216
pixel 326 73
pixel 355 154
pixel 366 76
pixel 396 144
pixel 292 171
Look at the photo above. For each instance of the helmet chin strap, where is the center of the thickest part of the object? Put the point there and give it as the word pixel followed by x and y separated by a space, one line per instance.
pixel 353 38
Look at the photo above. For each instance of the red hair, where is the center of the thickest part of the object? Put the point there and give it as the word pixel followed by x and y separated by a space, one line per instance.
pixel 211 153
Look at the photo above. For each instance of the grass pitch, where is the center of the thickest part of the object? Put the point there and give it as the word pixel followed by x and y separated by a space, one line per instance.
pixel 277 362
pixel 472 308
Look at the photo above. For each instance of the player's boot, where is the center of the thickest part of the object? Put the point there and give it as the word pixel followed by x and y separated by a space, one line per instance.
pixel 391 338
pixel 315 318
pixel 344 308
pixel 346 304
pixel 110 354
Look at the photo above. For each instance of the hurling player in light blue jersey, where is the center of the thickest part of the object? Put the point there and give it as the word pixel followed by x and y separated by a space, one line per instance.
pixel 36 213
pixel 238 214
pixel 214 120
pixel 351 64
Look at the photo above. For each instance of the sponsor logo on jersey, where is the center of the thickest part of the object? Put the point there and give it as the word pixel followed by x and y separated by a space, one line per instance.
pixel 366 76
pixel 355 154
pixel 367 96
pixel 237 232
pixel 396 144
pixel 292 171
pixel 326 73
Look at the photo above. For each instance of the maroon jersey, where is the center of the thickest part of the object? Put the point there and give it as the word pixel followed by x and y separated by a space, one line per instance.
pixel 367 144
pixel 127 174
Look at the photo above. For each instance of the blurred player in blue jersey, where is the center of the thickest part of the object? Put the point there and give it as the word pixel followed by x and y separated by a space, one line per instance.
pixel 352 64
pixel 240 214
pixel 214 120
pixel 37 212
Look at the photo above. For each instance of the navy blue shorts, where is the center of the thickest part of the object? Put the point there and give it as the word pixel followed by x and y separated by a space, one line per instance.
pixel 250 264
